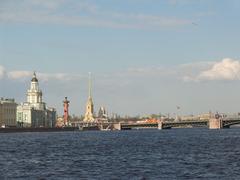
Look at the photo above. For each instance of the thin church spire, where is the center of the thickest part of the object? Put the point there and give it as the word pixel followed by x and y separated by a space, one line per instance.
pixel 90 85
pixel 89 115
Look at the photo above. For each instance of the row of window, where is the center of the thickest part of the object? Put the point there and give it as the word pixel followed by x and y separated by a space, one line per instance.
pixel 22 117
pixel 9 111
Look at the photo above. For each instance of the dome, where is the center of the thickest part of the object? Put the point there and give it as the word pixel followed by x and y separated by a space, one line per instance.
pixel 34 79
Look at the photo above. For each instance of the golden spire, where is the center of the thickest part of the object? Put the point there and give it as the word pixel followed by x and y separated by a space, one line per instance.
pixel 90 85
pixel 89 115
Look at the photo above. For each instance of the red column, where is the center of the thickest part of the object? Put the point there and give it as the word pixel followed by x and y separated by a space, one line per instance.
pixel 65 116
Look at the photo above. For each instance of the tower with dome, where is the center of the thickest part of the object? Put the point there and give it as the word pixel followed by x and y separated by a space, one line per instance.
pixel 34 112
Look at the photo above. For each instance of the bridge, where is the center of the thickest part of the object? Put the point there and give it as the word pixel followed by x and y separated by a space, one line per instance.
pixel 165 124
pixel 226 123
pixel 211 124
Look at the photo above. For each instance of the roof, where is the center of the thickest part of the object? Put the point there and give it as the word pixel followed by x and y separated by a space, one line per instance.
pixel 34 79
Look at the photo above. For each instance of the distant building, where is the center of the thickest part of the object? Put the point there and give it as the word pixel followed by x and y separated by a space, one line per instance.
pixel 60 122
pixel 8 109
pixel 34 112
pixel 206 116
pixel 102 115
pixel 89 115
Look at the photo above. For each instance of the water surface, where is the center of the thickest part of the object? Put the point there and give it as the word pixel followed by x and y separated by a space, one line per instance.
pixel 140 154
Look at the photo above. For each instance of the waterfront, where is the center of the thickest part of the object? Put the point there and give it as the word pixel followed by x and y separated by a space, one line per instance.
pixel 143 154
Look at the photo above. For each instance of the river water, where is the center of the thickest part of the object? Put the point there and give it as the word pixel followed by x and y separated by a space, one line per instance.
pixel 137 154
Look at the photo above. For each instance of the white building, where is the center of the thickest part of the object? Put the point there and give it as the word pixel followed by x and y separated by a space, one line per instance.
pixel 8 109
pixel 34 112
pixel 102 115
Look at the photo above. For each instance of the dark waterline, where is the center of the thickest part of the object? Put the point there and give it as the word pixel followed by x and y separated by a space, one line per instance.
pixel 143 154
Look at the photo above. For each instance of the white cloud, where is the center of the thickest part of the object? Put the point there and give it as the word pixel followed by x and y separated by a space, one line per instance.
pixel 19 75
pixel 60 77
pixel 44 77
pixel 53 4
pixel 2 72
pixel 227 69
pixel 138 86
pixel 80 14
pixel 175 2
pixel 144 20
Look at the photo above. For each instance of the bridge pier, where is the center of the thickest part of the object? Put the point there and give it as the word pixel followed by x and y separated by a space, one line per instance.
pixel 215 123
pixel 160 125
pixel 117 126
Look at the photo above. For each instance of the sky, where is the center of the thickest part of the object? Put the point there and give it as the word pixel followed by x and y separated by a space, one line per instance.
pixel 145 56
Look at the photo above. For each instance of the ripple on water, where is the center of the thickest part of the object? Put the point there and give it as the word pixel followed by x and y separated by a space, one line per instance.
pixel 143 154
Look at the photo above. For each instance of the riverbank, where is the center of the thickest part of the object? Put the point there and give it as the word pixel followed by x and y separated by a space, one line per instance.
pixel 19 130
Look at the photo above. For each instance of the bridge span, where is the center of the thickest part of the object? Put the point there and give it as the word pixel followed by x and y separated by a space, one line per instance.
pixel 211 124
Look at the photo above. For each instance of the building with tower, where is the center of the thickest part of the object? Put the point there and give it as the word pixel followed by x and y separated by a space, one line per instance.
pixel 102 115
pixel 34 112
pixel 89 115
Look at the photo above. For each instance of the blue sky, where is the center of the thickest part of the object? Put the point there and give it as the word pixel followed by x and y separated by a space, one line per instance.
pixel 146 56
